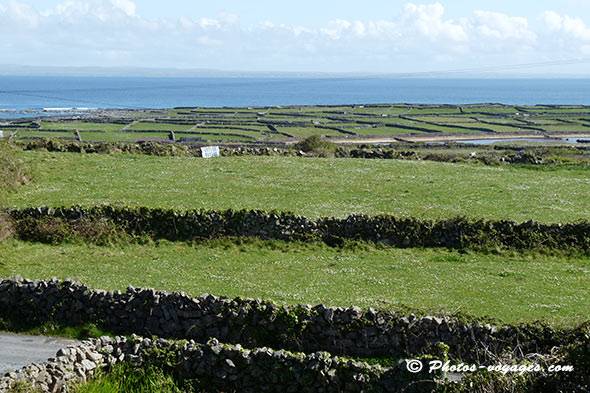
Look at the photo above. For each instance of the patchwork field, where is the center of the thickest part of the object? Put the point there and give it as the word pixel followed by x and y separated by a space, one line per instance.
pixel 261 123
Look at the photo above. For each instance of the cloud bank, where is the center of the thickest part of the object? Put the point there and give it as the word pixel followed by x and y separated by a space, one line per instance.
pixel 420 37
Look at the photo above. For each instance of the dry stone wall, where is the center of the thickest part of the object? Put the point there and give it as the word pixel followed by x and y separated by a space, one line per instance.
pixel 178 225
pixel 218 367
pixel 258 323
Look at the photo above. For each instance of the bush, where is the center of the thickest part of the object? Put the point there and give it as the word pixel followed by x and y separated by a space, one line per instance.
pixel 317 146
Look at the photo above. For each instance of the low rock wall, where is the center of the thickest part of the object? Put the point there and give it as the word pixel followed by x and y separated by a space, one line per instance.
pixel 218 367
pixel 257 323
pixel 178 225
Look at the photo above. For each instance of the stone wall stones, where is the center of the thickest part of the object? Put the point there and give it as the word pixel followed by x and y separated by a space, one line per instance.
pixel 218 367
pixel 176 225
pixel 257 323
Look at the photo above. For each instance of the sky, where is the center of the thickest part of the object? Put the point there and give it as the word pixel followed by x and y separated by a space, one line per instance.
pixel 372 37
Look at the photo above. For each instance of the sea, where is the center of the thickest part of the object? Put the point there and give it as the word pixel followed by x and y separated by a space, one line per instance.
pixel 27 95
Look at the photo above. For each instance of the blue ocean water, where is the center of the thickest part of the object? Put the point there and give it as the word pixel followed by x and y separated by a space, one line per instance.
pixel 30 93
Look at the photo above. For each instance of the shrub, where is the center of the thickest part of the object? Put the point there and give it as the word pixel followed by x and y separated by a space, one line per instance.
pixel 317 146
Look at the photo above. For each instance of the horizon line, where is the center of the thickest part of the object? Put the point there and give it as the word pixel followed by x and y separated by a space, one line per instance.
pixel 507 71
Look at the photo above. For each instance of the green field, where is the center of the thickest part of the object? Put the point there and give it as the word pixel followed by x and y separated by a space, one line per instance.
pixel 301 121
pixel 80 126
pixel 160 126
pixel 312 187
pixel 509 287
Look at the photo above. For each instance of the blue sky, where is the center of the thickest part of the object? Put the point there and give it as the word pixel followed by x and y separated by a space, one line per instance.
pixel 375 36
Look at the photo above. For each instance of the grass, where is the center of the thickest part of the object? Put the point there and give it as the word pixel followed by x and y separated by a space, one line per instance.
pixel 226 132
pixel 302 132
pixel 312 187
pixel 124 378
pixel 509 287
pixel 446 119
pixel 568 128
pixel 443 117
pixel 13 172
pixel 211 137
pixel 78 332
pixel 381 130
pixel 96 136
pixel 81 126
pixel 48 134
pixel 160 126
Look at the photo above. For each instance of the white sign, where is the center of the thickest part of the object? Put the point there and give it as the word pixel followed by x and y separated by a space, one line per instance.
pixel 210 151
pixel 1 134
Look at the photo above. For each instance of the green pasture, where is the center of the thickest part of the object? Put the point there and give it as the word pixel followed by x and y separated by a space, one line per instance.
pixel 161 126
pixel 215 138
pixel 445 119
pixel 47 134
pixel 567 128
pixel 298 121
pixel 384 131
pixel 435 110
pixel 95 136
pixel 491 109
pixel 225 131
pixel 304 132
pixel 81 126
pixel 510 288
pixel 309 186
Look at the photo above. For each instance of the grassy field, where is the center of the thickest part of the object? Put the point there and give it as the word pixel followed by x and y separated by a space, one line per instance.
pixel 309 186
pixel 80 126
pixel 300 122
pixel 508 287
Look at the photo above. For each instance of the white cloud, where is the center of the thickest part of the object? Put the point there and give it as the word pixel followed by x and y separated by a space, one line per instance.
pixel 383 29
pixel 113 32
pixel 572 27
pixel 68 10
pixel 296 30
pixel 500 26
pixel 552 20
pixel 186 23
pixel 359 28
pixel 21 14
pixel 336 29
pixel 428 19
pixel 126 6
pixel 206 23
pixel 228 18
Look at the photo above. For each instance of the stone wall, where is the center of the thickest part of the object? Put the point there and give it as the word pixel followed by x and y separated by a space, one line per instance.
pixel 176 225
pixel 218 367
pixel 258 323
